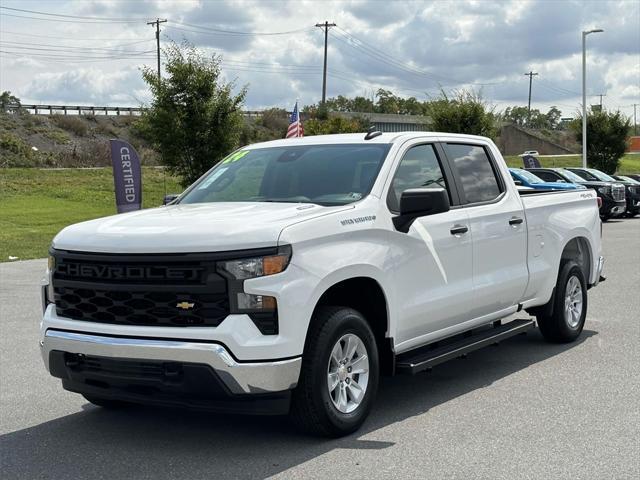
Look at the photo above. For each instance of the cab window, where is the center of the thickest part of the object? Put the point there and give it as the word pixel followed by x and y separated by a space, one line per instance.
pixel 418 168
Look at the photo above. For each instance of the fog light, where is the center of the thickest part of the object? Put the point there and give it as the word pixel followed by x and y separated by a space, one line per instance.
pixel 247 301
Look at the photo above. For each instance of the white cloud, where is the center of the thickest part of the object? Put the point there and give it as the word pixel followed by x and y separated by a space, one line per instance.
pixel 455 43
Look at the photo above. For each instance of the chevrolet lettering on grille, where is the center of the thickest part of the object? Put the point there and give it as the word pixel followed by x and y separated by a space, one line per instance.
pixel 128 272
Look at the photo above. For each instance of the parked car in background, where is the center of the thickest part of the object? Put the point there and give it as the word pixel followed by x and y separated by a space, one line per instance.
pixel 632 194
pixel 593 174
pixel 634 176
pixel 528 179
pixel 609 193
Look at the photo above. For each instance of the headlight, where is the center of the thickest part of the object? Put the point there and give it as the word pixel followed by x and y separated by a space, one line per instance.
pixel 605 190
pixel 237 271
pixel 51 266
pixel 258 266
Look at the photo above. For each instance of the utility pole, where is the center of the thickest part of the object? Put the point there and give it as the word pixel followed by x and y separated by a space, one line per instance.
pixel 157 23
pixel 635 124
pixel 531 74
pixel 326 25
pixel 601 95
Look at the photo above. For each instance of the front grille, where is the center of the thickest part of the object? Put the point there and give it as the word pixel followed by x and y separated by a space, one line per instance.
pixel 141 307
pixel 153 290
pixel 617 192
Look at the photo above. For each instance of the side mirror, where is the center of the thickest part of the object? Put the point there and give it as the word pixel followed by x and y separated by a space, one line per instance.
pixel 420 202
pixel 170 198
pixel 517 182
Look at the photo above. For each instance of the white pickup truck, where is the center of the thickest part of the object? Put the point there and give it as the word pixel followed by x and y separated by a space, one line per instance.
pixel 296 272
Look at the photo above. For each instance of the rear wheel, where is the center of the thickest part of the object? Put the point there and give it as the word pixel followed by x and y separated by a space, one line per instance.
pixel 339 375
pixel 569 306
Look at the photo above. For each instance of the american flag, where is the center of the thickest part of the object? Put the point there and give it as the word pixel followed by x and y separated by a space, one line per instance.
pixel 295 124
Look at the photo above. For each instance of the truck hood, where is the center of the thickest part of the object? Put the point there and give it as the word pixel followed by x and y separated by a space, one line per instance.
pixel 204 227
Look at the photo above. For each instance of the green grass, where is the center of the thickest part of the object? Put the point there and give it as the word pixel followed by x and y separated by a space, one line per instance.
pixel 630 163
pixel 36 204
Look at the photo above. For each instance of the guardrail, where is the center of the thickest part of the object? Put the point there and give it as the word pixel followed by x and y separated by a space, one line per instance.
pixel 89 110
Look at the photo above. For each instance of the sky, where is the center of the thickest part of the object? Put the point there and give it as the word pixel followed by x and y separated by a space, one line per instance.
pixel 90 52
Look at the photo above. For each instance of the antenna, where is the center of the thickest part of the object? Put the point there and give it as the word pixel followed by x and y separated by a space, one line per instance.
pixel 372 133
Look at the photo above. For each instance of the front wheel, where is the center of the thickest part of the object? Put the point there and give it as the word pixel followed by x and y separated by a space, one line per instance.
pixel 339 376
pixel 569 306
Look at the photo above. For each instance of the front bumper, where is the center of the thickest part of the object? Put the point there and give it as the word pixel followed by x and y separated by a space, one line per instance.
pixel 239 378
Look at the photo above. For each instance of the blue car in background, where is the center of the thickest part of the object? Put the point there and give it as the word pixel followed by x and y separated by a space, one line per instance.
pixel 528 179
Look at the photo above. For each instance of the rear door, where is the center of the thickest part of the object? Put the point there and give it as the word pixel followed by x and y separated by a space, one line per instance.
pixel 498 228
pixel 433 272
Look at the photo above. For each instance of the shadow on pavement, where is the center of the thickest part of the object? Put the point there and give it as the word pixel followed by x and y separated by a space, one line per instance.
pixel 161 443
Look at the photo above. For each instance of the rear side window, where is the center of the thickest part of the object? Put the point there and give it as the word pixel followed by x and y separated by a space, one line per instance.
pixel 418 168
pixel 476 172
pixel 548 176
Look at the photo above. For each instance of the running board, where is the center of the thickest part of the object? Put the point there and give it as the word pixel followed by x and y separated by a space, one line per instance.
pixel 424 358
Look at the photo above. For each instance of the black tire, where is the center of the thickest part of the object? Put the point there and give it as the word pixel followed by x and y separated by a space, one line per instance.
pixel 605 218
pixel 105 402
pixel 312 407
pixel 558 327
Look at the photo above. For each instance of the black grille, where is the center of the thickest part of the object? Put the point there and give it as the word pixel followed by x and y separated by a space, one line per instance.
pixel 141 307
pixel 154 290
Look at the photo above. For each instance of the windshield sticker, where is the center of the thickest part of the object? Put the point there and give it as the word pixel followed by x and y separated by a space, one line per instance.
pixel 353 221
pixel 235 156
pixel 214 176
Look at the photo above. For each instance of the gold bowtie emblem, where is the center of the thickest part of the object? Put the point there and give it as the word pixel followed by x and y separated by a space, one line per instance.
pixel 185 305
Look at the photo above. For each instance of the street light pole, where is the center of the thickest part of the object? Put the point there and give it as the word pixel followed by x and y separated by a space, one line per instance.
pixel 584 93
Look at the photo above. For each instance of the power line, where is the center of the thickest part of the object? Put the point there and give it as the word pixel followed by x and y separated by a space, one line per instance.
pixel 65 21
pixel 128 19
pixel 23 34
pixel 219 31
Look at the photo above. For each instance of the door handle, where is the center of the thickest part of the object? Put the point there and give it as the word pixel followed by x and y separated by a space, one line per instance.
pixel 515 221
pixel 458 230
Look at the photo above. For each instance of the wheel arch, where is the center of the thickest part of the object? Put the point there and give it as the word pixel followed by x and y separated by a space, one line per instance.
pixel 366 295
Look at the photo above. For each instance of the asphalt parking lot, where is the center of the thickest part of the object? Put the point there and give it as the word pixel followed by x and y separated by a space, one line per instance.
pixel 525 409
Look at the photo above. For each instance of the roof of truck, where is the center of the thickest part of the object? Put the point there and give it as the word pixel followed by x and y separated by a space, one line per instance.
pixel 390 137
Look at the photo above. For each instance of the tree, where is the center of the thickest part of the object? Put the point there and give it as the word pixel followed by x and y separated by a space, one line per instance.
pixel 334 124
pixel 194 119
pixel 7 99
pixel 606 139
pixel 464 112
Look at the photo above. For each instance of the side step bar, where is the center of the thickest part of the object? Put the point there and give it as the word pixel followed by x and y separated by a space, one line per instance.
pixel 423 358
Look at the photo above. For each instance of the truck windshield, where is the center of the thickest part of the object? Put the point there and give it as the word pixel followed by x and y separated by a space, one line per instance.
pixel 603 177
pixel 321 174
pixel 528 176
pixel 571 176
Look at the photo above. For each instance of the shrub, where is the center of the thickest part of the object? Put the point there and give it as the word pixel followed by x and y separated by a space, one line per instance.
pixel 606 139
pixel 58 136
pixel 71 123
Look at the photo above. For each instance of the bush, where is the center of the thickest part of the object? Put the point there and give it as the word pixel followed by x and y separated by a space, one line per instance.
pixel 464 112
pixel 71 123
pixel 606 139
pixel 58 136
pixel 334 124
pixel 195 119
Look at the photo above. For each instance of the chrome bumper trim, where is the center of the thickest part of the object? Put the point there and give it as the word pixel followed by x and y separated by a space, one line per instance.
pixel 240 378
